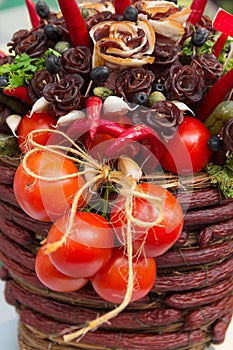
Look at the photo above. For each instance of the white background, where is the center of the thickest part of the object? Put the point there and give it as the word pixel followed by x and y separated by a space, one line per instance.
pixel 10 21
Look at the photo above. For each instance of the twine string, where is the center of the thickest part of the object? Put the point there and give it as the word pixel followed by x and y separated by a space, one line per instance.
pixel 101 172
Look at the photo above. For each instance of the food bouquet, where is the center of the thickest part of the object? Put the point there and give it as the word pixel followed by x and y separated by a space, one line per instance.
pixel 117 176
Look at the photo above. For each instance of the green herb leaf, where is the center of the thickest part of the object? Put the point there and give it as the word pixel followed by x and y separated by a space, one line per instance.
pixel 222 176
pixel 21 70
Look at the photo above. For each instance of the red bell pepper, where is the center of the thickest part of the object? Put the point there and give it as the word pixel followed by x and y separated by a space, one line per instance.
pixel 120 6
pixel 219 44
pixel 34 17
pixel 75 23
pixel 222 22
pixel 20 92
pixel 215 96
pixel 197 7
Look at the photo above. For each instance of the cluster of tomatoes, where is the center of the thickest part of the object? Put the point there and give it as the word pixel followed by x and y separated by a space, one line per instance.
pixel 94 250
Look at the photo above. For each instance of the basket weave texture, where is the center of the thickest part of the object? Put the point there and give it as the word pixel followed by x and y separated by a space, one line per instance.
pixel 189 307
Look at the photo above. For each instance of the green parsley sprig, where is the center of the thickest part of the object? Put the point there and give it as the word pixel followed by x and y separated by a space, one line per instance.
pixel 23 68
pixel 222 176
pixel 189 49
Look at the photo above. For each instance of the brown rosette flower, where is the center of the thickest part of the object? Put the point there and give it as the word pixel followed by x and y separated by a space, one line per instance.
pixel 64 95
pixel 166 18
pixel 122 44
pixel 6 60
pixel 76 60
pixel 165 55
pixel 206 22
pixel 164 117
pixel 227 135
pixel 209 66
pixel 38 83
pixel 4 113
pixel 91 21
pixel 185 84
pixel 133 80
pixel 33 43
pixel 94 8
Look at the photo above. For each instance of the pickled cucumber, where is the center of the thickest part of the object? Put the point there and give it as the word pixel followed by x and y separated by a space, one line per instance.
pixel 222 113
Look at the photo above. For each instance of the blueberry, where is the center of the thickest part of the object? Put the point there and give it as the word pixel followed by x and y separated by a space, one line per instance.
pixel 3 81
pixel 100 74
pixel 52 64
pixel 199 37
pixel 42 9
pixel 130 14
pixel 53 33
pixel 141 98
pixel 214 143
pixel 158 87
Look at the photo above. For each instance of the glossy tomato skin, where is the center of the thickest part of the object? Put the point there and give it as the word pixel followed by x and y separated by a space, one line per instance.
pixel 187 152
pixel 47 200
pixel 53 279
pixel 110 283
pixel 28 124
pixel 158 239
pixel 87 248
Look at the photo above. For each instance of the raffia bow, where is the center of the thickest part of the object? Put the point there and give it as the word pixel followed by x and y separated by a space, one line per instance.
pixel 125 177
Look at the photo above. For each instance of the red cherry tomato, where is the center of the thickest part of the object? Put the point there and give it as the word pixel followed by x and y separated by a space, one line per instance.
pixel 87 248
pixel 156 240
pixel 110 283
pixel 187 152
pixel 53 279
pixel 28 124
pixel 47 200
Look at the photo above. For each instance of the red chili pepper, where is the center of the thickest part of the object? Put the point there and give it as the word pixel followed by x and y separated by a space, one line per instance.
pixel 81 126
pixel 78 128
pixel 75 23
pixel 197 7
pixel 137 133
pixel 94 106
pixel 111 128
pixel 214 96
pixel 34 17
pixel 20 92
pixel 219 44
pixel 120 6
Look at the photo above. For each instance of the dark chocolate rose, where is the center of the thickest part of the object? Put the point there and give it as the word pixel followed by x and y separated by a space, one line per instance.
pixel 209 66
pixel 227 135
pixel 185 84
pixel 165 55
pixel 97 18
pixel 6 59
pixel 33 43
pixel 63 95
pixel 4 113
pixel 206 22
pixel 38 83
pixel 164 117
pixel 76 60
pixel 133 80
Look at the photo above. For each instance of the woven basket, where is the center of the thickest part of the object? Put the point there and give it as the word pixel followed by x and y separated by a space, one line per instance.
pixel 189 307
